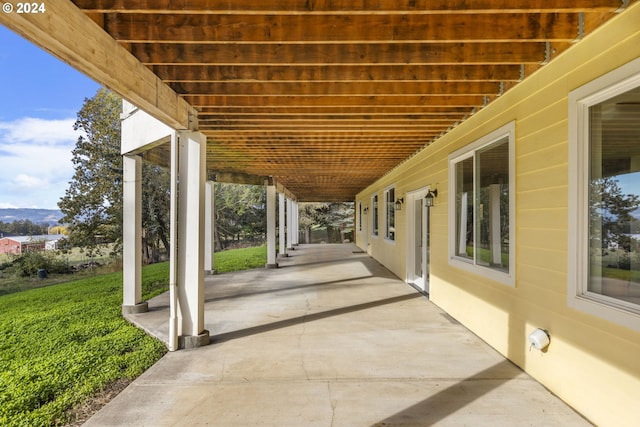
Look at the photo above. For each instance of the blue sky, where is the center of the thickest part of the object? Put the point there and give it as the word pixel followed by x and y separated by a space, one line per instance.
pixel 39 99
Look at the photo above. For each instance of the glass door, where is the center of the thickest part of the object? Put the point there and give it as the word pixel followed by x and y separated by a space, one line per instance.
pixel 418 260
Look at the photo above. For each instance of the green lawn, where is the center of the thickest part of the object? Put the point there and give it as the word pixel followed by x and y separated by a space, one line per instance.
pixel 240 259
pixel 624 275
pixel 63 343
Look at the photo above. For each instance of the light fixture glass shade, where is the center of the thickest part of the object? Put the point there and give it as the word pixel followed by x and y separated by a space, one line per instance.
pixel 428 199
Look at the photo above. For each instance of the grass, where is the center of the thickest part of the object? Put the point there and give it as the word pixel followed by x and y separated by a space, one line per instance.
pixel 624 275
pixel 240 259
pixel 62 344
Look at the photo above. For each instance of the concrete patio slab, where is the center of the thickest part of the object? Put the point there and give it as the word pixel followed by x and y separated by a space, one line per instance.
pixel 331 338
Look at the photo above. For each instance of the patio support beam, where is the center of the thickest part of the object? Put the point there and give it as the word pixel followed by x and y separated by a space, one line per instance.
pixel 190 256
pixel 209 228
pixel 289 224
pixel 96 54
pixel 271 225
pixel 296 218
pixel 132 236
pixel 282 246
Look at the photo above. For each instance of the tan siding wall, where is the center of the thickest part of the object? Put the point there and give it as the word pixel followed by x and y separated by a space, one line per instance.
pixel 592 364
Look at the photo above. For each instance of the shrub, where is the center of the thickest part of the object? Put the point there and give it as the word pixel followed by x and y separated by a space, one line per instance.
pixel 28 264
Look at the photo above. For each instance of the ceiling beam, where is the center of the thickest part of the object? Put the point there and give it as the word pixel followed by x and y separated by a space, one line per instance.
pixel 336 88
pixel 372 54
pixel 311 111
pixel 425 101
pixel 67 33
pixel 288 73
pixel 453 27
pixel 344 6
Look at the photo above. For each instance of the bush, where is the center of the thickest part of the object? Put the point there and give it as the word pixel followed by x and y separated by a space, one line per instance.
pixel 28 264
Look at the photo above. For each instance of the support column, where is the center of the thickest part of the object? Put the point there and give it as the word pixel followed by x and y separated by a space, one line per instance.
pixel 289 225
pixel 209 229
pixel 190 249
pixel 282 245
pixel 296 233
pixel 271 226
pixel 132 236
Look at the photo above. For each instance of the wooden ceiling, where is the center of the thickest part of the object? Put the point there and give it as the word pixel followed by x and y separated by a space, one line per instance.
pixel 326 96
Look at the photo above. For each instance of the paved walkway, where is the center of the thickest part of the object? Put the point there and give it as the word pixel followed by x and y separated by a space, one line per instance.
pixel 331 338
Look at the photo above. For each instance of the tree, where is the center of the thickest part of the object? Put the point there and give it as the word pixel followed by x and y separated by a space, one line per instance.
pixel 336 218
pixel 240 214
pixel 156 194
pixel 92 205
pixel 23 227
pixel 610 214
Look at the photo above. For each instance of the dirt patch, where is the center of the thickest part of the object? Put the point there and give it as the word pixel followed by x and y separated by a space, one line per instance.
pixel 81 413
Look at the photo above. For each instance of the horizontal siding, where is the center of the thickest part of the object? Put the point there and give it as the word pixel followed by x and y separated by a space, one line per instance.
pixel 591 363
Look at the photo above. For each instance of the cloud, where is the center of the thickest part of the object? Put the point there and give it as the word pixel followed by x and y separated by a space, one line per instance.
pixel 26 181
pixel 38 131
pixel 35 161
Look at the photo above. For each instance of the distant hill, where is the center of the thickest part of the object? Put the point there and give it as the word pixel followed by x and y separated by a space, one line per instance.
pixel 37 216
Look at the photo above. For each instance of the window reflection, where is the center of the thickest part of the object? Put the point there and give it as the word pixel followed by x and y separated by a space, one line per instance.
pixel 614 198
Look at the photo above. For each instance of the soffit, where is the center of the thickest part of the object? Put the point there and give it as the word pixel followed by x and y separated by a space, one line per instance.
pixel 326 96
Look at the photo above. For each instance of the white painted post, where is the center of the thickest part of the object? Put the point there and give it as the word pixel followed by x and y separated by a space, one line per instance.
pixel 209 218
pixel 295 234
pixel 191 172
pixel 132 236
pixel 289 225
pixel 271 227
pixel 282 246
pixel 174 310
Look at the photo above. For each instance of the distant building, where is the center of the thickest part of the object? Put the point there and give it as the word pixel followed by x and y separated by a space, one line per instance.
pixel 20 244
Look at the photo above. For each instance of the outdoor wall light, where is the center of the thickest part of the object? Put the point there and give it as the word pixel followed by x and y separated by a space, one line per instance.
pixel 399 203
pixel 539 339
pixel 430 198
pixel 365 210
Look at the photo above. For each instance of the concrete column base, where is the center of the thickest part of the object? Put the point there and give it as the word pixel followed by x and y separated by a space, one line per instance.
pixel 194 341
pixel 283 255
pixel 271 265
pixel 210 272
pixel 143 307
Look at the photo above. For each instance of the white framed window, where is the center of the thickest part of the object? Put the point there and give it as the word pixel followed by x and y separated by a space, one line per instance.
pixel 374 215
pixel 604 197
pixel 390 214
pixel 482 200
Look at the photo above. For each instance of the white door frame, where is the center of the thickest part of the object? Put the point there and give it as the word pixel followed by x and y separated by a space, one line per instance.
pixel 421 282
pixel 364 222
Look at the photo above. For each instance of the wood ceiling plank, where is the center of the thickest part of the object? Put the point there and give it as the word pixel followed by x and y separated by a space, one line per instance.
pixel 279 89
pixel 424 100
pixel 344 53
pixel 210 118
pixel 165 28
pixel 278 111
pixel 398 72
pixel 345 6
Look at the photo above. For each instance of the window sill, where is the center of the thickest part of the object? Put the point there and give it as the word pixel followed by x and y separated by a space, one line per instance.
pixel 495 275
